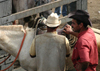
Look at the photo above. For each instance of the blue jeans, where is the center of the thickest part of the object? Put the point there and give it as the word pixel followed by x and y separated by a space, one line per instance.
pixel 64 10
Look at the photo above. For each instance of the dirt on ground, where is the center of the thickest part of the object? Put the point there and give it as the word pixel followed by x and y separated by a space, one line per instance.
pixel 94 11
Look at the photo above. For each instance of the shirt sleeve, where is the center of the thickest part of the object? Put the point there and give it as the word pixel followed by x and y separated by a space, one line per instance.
pixel 83 50
pixel 32 49
pixel 68 48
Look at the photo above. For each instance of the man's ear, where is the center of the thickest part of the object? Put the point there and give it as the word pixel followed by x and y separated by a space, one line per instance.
pixel 81 25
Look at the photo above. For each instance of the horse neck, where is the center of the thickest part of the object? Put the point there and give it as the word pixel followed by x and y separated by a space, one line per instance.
pixel 10 41
pixel 27 43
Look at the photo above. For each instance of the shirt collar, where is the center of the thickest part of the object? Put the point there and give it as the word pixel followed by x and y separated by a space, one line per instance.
pixel 83 32
pixel 52 32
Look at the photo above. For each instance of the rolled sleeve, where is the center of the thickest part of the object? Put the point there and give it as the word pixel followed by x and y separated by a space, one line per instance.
pixel 84 51
pixel 32 49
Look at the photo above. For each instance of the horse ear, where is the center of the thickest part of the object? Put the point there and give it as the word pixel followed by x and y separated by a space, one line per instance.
pixel 35 22
pixel 25 26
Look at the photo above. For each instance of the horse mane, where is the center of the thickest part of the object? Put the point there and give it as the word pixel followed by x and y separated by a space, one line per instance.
pixel 12 27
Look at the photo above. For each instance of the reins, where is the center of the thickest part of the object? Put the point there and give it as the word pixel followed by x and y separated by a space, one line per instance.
pixel 17 54
pixel 5 59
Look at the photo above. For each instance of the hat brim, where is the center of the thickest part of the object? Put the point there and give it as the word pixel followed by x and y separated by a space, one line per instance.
pixel 53 25
pixel 74 16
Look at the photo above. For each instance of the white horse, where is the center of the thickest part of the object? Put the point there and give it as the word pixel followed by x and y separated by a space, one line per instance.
pixel 10 41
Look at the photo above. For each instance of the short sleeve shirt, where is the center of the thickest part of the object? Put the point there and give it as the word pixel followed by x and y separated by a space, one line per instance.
pixel 86 50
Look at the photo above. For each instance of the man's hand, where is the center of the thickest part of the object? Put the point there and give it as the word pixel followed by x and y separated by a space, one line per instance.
pixel 68 29
pixel 82 66
pixel 78 66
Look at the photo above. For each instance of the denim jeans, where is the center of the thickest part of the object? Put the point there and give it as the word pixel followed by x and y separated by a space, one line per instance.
pixel 58 10
pixel 64 10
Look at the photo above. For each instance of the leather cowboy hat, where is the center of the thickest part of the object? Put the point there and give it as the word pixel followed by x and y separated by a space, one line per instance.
pixel 53 20
pixel 81 16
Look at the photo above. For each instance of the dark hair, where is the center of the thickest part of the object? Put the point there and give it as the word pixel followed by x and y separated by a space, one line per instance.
pixel 79 22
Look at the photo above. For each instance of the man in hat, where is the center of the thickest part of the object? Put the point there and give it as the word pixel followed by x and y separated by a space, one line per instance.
pixel 85 53
pixel 50 48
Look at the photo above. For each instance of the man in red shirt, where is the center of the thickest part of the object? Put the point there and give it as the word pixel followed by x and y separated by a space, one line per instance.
pixel 85 52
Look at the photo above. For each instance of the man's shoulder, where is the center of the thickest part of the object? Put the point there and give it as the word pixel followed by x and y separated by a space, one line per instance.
pixel 89 34
pixel 61 36
pixel 50 36
pixel 40 35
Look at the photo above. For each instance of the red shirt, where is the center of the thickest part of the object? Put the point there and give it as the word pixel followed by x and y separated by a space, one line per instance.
pixel 86 49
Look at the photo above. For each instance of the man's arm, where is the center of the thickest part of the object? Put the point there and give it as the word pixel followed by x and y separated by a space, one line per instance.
pixel 82 66
pixel 68 30
pixel 84 55
pixel 32 49
pixel 85 65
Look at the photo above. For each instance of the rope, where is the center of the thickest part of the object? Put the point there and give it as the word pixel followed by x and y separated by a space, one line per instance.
pixel 5 59
pixel 17 54
pixel 42 19
pixel 36 27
